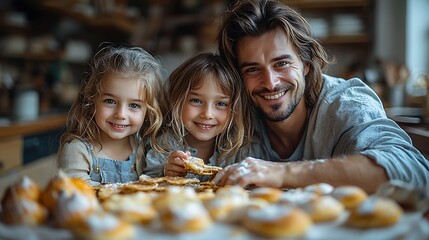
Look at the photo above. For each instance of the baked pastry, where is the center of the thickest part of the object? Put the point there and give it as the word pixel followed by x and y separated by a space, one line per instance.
pixel 167 196
pixel 180 210
pixel 21 210
pixel 63 183
pixel 271 195
pixel 108 190
pixel 349 196
pixel 25 187
pixel 180 181
pixel 83 187
pixel 374 212
pixel 203 186
pixel 277 221
pixel 20 204
pixel 163 182
pixel 320 188
pixel 137 186
pixel 197 166
pixel 406 195
pixel 71 208
pixel 103 226
pixel 147 178
pixel 206 195
pixel 135 207
pixel 322 208
pixel 295 196
pixel 228 204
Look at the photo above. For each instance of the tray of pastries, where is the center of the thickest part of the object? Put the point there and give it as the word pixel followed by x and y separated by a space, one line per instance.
pixel 185 208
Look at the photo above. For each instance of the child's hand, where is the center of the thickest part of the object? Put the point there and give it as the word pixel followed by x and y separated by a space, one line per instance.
pixel 175 165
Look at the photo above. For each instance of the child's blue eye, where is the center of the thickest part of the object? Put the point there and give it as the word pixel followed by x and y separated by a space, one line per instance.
pixel 135 105
pixel 109 101
pixel 222 104
pixel 195 100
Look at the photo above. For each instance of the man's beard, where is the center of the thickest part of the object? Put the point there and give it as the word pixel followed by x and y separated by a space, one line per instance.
pixel 276 115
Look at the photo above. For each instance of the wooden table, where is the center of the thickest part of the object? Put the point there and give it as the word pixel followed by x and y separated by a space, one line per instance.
pixel 419 134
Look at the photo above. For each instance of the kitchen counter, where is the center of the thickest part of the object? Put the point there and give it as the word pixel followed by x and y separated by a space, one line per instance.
pixel 410 119
pixel 22 142
pixel 42 124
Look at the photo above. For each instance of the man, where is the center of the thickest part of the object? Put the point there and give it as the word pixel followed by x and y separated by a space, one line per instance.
pixel 315 128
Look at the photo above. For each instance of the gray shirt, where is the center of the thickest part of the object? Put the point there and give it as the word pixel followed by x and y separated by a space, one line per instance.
pixel 349 118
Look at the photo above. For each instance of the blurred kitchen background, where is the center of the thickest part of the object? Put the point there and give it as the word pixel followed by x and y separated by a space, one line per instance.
pixel 45 46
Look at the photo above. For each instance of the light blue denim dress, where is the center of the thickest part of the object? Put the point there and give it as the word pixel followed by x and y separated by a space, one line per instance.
pixel 106 170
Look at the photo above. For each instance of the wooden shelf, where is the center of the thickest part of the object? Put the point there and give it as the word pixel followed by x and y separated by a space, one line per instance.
pixel 326 3
pixel 346 39
pixel 44 123
pixel 48 56
pixel 6 28
pixel 116 21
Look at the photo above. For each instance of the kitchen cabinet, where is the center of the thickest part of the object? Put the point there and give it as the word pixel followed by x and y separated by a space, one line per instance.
pixel 345 29
pixel 10 153
pixel 22 143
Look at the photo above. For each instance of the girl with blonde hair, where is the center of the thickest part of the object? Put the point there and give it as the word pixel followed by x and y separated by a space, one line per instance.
pixel 115 113
pixel 206 117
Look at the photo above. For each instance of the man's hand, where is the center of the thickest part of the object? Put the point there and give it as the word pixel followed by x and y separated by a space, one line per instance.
pixel 251 171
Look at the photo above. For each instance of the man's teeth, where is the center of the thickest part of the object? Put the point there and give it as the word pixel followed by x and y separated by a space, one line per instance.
pixel 273 97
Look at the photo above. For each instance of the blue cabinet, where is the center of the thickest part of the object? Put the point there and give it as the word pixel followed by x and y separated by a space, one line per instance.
pixel 40 145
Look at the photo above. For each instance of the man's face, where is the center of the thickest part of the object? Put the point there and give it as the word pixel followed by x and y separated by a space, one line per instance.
pixel 273 73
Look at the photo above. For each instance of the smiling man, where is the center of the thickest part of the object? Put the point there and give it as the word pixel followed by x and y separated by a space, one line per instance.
pixel 314 127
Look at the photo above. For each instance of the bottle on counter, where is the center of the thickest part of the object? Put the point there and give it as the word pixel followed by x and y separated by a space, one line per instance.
pixel 26 105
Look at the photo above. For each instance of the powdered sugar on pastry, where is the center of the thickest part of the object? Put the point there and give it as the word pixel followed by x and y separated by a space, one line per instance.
pixel 277 221
pixel 103 225
pixel 296 197
pixel 320 188
pixel 374 212
pixel 197 166
pixel 101 222
pixel 71 208
pixel 269 213
pixel 367 206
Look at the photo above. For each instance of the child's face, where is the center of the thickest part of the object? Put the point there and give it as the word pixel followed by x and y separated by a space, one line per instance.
pixel 120 109
pixel 206 111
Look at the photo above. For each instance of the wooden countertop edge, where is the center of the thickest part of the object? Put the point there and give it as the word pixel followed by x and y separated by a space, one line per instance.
pixel 419 136
pixel 44 123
